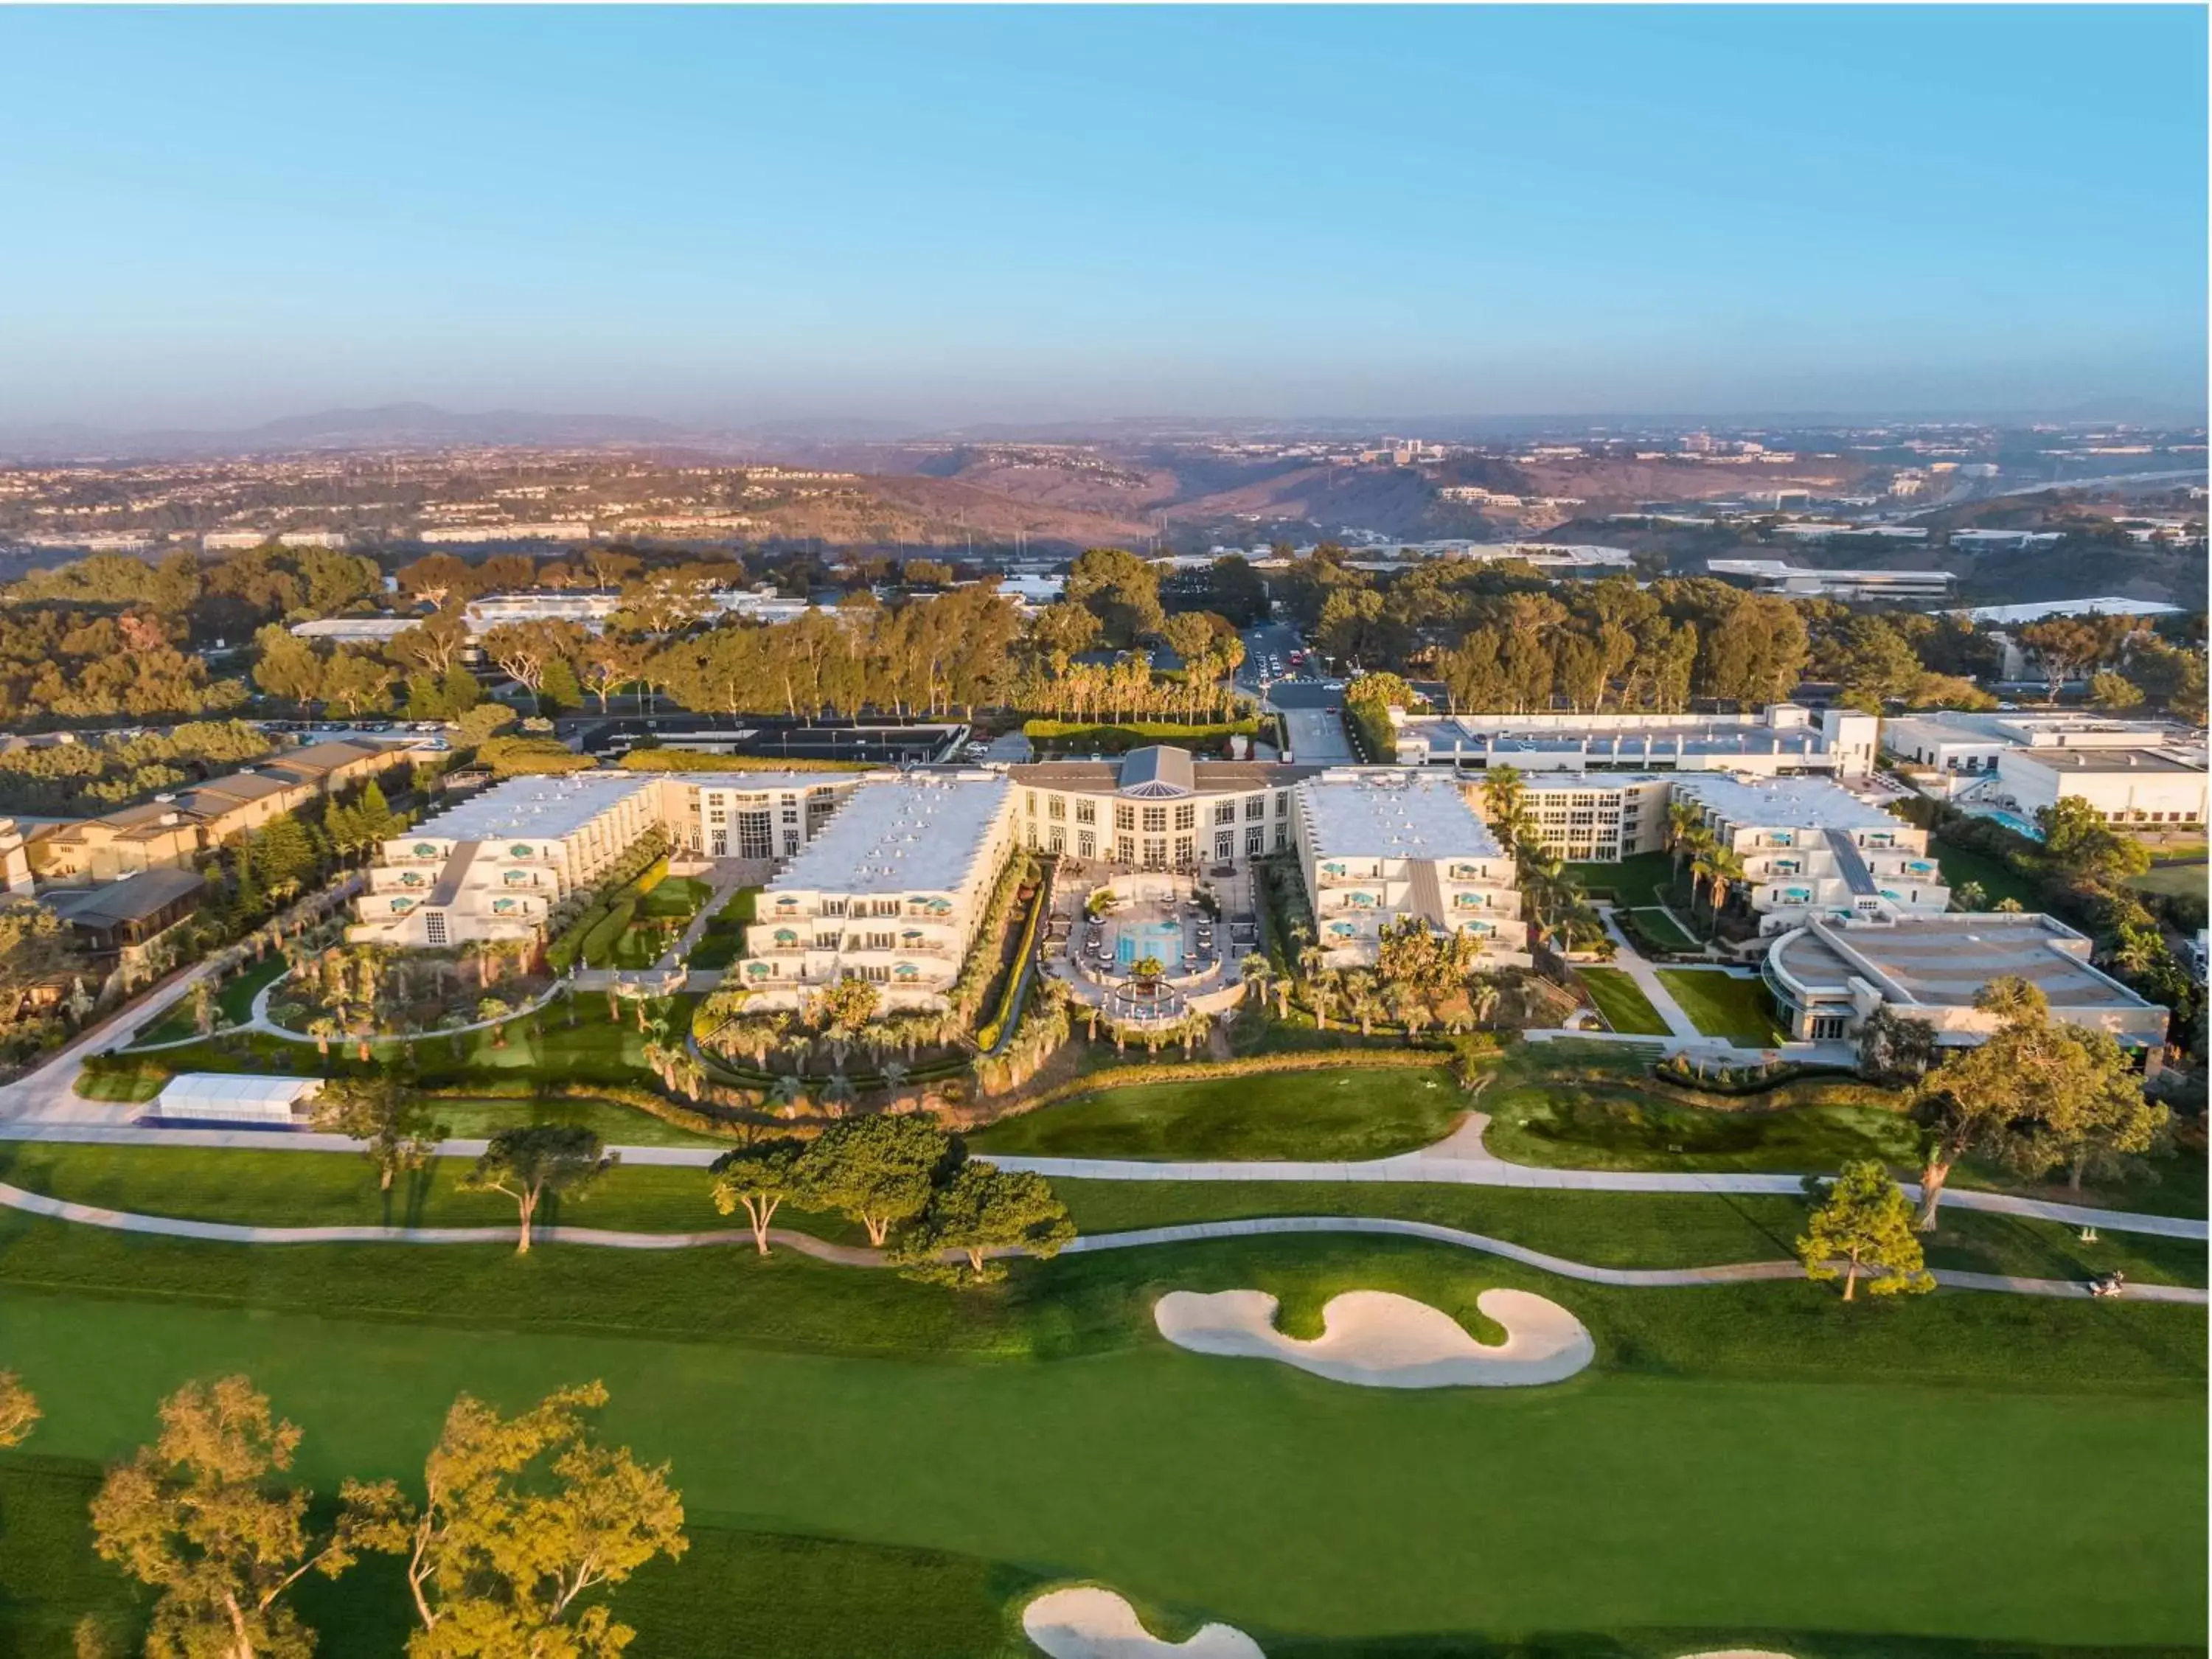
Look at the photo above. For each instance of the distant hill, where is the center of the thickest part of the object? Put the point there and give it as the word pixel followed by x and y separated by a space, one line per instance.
pixel 393 426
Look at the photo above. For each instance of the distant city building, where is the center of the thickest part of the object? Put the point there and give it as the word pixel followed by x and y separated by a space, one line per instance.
pixel 216 541
pixel 1795 581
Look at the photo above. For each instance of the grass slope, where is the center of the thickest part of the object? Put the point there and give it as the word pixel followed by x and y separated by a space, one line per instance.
pixel 1622 1001
pixel 1303 1115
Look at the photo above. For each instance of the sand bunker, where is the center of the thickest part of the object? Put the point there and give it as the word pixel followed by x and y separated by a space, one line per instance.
pixel 1090 1623
pixel 1381 1341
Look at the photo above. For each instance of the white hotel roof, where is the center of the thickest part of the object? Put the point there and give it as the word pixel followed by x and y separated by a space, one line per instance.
pixel 913 833
pixel 547 807
pixel 1783 802
pixel 1393 814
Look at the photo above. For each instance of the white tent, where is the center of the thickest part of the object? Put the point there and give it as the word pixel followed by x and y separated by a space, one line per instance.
pixel 234 1097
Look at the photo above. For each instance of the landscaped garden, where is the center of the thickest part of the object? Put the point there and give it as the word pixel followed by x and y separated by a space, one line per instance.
pixel 723 941
pixel 1622 1001
pixel 1724 1004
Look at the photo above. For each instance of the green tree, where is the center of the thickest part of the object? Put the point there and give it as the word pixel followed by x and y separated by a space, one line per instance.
pixel 522 1518
pixel 878 1171
pixel 529 1162
pixel 2111 690
pixel 204 1516
pixel 2078 845
pixel 758 1179
pixel 1861 1225
pixel 2015 1099
pixel 396 1127
pixel 1121 590
pixel 982 1212
pixel 19 1411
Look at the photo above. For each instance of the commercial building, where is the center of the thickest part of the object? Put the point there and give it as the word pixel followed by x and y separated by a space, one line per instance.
pixel 1795 581
pixel 1830 976
pixel 1379 845
pixel 2135 773
pixel 1810 849
pixel 1158 809
pixel 1783 739
pixel 356 630
pixel 115 924
pixel 891 891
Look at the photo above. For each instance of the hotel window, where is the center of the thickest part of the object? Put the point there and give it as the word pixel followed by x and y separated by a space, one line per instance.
pixel 434 926
pixel 1086 844
pixel 1125 849
pixel 1283 840
pixel 1255 842
pixel 1086 812
pixel 1255 806
pixel 1186 817
pixel 882 941
pixel 833 907
pixel 1156 819
pixel 881 907
pixel 1125 818
pixel 1055 806
pixel 1029 802
pixel 1225 846
pixel 755 835
pixel 1184 851
pixel 1282 803
pixel 1225 812
pixel 718 815
pixel 1059 842
pixel 828 941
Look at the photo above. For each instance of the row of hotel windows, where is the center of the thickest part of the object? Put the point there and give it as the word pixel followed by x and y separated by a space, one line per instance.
pixel 1152 852
pixel 1154 820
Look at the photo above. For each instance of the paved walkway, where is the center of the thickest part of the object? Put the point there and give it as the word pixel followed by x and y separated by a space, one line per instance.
pixel 1737 1272
pixel 1647 980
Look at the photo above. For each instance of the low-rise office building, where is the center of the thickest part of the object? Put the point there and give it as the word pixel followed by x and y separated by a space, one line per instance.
pixel 1831 975
pixel 2137 788
pixel 891 891
pixel 1810 848
pixel 1794 581
pixel 1380 845
pixel 1785 739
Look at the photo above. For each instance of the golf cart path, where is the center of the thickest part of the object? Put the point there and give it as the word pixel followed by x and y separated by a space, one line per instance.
pixel 226 1232
pixel 1459 1159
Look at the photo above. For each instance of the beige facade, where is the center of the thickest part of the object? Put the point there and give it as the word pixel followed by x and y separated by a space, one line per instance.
pixel 1158 809
pixel 891 891
pixel 1379 845
pixel 1810 848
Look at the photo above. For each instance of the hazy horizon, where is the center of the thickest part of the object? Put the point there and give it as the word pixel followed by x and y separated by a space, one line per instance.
pixel 950 218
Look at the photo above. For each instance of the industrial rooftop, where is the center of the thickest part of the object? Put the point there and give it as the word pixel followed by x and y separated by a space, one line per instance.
pixel 1393 814
pixel 919 833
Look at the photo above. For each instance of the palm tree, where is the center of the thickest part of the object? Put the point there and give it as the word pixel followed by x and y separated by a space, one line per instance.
pixel 1411 1010
pixel 1972 896
pixel 788 1092
pixel 1257 973
pixel 1549 886
pixel 1505 804
pixel 895 1076
pixel 492 1009
pixel 1685 825
pixel 1362 1000
pixel 1321 989
pixel 323 1030
pixel 1722 867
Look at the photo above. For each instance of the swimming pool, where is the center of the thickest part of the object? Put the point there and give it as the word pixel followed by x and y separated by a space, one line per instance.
pixel 1138 940
pixel 2013 822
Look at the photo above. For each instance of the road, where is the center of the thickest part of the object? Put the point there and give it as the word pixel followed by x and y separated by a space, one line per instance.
pixel 1309 708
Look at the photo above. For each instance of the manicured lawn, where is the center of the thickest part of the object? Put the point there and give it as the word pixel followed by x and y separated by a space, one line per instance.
pixel 679 897
pixel 236 997
pixel 1721 1005
pixel 616 1124
pixel 1661 926
pixel 2180 880
pixel 2056 1446
pixel 117 1086
pixel 1633 882
pixel 1329 1115
pixel 1585 1127
pixel 1624 1005
pixel 1999 881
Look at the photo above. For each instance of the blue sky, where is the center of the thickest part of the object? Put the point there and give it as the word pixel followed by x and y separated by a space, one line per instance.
pixel 219 216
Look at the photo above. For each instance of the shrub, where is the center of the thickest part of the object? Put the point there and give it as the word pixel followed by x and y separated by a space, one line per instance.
pixel 987 1038
pixel 598 944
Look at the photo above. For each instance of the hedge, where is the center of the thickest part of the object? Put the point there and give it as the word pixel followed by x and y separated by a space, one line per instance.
pixel 694 760
pixel 1112 737
pixel 987 1038
pixel 982 960
pixel 598 944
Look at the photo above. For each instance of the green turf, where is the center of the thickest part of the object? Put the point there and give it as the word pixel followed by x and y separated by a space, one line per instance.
pixel 1999 880
pixel 1325 1115
pixel 121 1086
pixel 2177 880
pixel 616 1124
pixel 2056 1447
pixel 234 1003
pixel 1721 1005
pixel 1624 1005
pixel 725 938
pixel 1602 1127
pixel 678 896
pixel 1663 928
pixel 1640 880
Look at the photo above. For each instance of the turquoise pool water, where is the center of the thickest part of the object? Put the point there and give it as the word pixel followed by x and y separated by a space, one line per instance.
pixel 1140 939
pixel 2013 822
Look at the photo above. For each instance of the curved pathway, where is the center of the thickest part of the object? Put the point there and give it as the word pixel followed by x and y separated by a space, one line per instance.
pixel 228 1232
